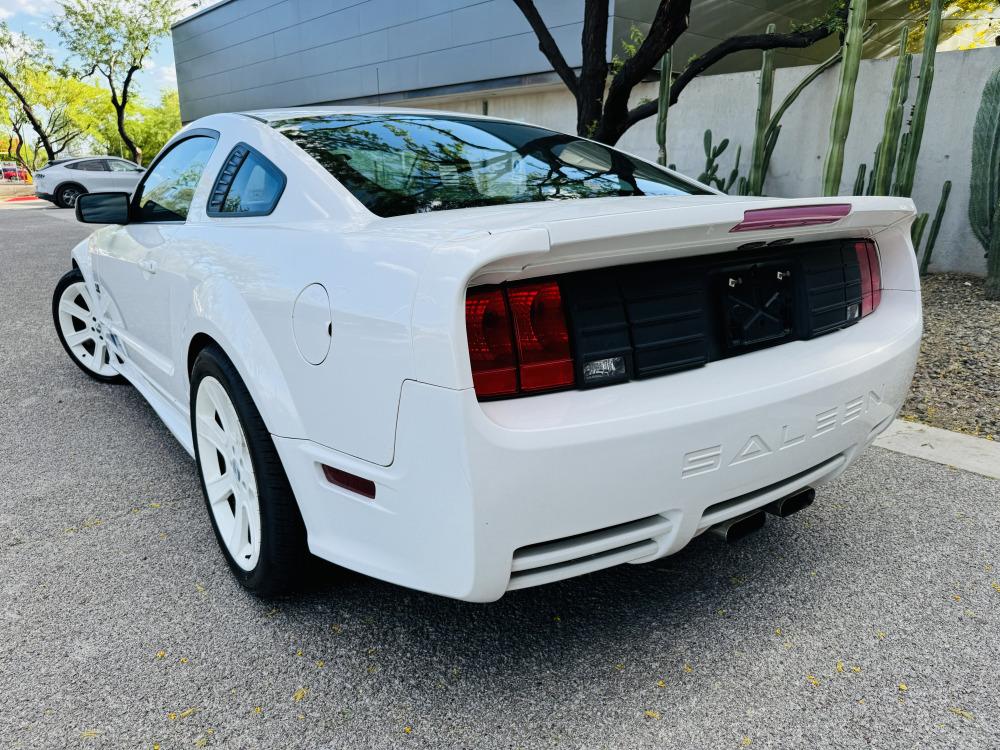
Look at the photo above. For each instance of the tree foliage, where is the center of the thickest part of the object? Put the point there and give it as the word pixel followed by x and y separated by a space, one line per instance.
pixel 23 58
pixel 112 39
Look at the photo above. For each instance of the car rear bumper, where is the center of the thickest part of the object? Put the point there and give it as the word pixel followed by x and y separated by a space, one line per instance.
pixel 482 498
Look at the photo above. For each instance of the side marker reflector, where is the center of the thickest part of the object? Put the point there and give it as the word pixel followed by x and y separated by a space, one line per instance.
pixel 347 481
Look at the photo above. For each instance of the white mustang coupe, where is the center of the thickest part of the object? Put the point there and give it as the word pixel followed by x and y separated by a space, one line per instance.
pixel 468 355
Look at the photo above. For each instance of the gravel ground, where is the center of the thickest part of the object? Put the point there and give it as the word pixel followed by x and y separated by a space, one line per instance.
pixel 870 620
pixel 957 383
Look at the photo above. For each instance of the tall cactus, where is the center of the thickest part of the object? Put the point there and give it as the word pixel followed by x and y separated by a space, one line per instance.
pixel 925 261
pixel 908 158
pixel 662 106
pixel 859 181
pixel 885 155
pixel 984 201
pixel 840 124
pixel 917 230
pixel 765 92
pixel 775 125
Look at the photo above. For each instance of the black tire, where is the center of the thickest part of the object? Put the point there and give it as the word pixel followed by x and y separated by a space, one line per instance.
pixel 74 277
pixel 67 194
pixel 284 561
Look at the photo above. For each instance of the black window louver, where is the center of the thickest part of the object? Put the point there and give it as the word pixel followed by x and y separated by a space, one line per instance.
pixel 226 176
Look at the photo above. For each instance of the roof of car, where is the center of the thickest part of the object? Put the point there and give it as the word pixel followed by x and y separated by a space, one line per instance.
pixel 295 113
pixel 92 156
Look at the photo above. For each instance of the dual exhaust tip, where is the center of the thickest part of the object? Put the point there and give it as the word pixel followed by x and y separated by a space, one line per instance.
pixel 734 529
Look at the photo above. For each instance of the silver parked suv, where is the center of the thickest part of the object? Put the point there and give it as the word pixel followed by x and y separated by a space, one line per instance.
pixel 64 180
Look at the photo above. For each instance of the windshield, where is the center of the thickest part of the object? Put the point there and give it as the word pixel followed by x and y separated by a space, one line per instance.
pixel 403 164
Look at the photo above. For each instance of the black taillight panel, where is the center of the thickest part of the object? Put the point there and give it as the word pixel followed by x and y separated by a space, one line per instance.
pixel 650 319
pixel 832 287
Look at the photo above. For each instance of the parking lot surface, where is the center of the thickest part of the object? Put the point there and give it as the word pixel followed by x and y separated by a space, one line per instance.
pixel 871 620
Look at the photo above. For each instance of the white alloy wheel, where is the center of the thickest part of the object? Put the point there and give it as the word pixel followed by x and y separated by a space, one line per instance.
pixel 227 470
pixel 84 330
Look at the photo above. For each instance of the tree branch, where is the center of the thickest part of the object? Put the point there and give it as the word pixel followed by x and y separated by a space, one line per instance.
pixel 791 40
pixel 548 45
pixel 669 22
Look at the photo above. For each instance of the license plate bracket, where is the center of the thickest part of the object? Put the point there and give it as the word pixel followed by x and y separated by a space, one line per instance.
pixel 758 304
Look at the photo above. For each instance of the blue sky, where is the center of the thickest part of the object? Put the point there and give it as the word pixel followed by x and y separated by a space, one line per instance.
pixel 32 16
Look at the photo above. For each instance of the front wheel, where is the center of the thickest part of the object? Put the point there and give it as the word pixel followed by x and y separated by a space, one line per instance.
pixel 254 513
pixel 81 330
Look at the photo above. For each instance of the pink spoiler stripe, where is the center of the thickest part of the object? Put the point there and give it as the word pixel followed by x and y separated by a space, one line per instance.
pixel 791 216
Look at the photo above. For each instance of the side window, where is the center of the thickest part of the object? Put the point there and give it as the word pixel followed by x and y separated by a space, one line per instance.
pixel 91 165
pixel 117 165
pixel 168 188
pixel 248 185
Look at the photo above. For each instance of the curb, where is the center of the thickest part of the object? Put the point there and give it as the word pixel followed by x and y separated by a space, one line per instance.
pixel 954 449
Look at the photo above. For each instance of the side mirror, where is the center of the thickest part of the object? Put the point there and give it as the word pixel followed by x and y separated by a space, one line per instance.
pixel 102 208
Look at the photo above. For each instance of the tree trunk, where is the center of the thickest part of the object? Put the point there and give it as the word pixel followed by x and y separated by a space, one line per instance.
pixel 134 150
pixel 120 104
pixel 594 71
pixel 30 114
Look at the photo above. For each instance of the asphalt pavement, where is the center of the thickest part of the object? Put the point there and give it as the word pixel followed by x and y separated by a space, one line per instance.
pixel 871 620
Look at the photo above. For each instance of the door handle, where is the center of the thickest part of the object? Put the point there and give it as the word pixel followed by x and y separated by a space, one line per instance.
pixel 149 266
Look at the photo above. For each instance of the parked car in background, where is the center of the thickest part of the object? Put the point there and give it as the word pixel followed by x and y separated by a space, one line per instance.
pixel 65 180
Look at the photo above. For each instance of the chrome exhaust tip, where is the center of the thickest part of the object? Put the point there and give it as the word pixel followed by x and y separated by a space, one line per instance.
pixel 736 528
pixel 785 506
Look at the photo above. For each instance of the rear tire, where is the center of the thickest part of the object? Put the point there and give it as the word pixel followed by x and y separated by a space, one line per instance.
pixel 254 513
pixel 80 331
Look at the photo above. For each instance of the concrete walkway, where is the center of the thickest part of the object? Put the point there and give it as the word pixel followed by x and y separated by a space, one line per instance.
pixel 943 447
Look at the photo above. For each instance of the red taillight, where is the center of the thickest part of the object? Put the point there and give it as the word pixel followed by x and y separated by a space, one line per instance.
pixel 542 336
pixel 491 343
pixel 871 275
pixel 518 339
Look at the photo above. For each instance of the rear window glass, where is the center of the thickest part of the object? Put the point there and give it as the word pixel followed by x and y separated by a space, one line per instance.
pixel 402 164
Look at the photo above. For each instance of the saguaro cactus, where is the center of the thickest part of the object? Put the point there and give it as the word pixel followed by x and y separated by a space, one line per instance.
pixel 984 201
pixel 765 93
pixel 925 261
pixel 774 126
pixel 909 153
pixel 662 107
pixel 885 155
pixel 843 107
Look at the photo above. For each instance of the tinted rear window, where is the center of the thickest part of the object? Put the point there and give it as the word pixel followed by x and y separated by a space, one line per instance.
pixel 402 164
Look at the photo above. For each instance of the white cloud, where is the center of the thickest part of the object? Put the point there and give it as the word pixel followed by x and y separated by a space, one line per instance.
pixel 9 8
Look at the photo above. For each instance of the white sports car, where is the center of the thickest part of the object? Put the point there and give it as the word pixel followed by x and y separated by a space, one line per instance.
pixel 468 355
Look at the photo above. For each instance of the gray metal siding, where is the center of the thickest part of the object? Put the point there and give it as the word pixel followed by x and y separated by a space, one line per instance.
pixel 247 54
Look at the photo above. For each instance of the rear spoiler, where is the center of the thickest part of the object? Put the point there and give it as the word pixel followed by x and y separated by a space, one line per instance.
pixel 690 230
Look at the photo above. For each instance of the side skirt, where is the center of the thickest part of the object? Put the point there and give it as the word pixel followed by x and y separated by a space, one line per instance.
pixel 176 419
